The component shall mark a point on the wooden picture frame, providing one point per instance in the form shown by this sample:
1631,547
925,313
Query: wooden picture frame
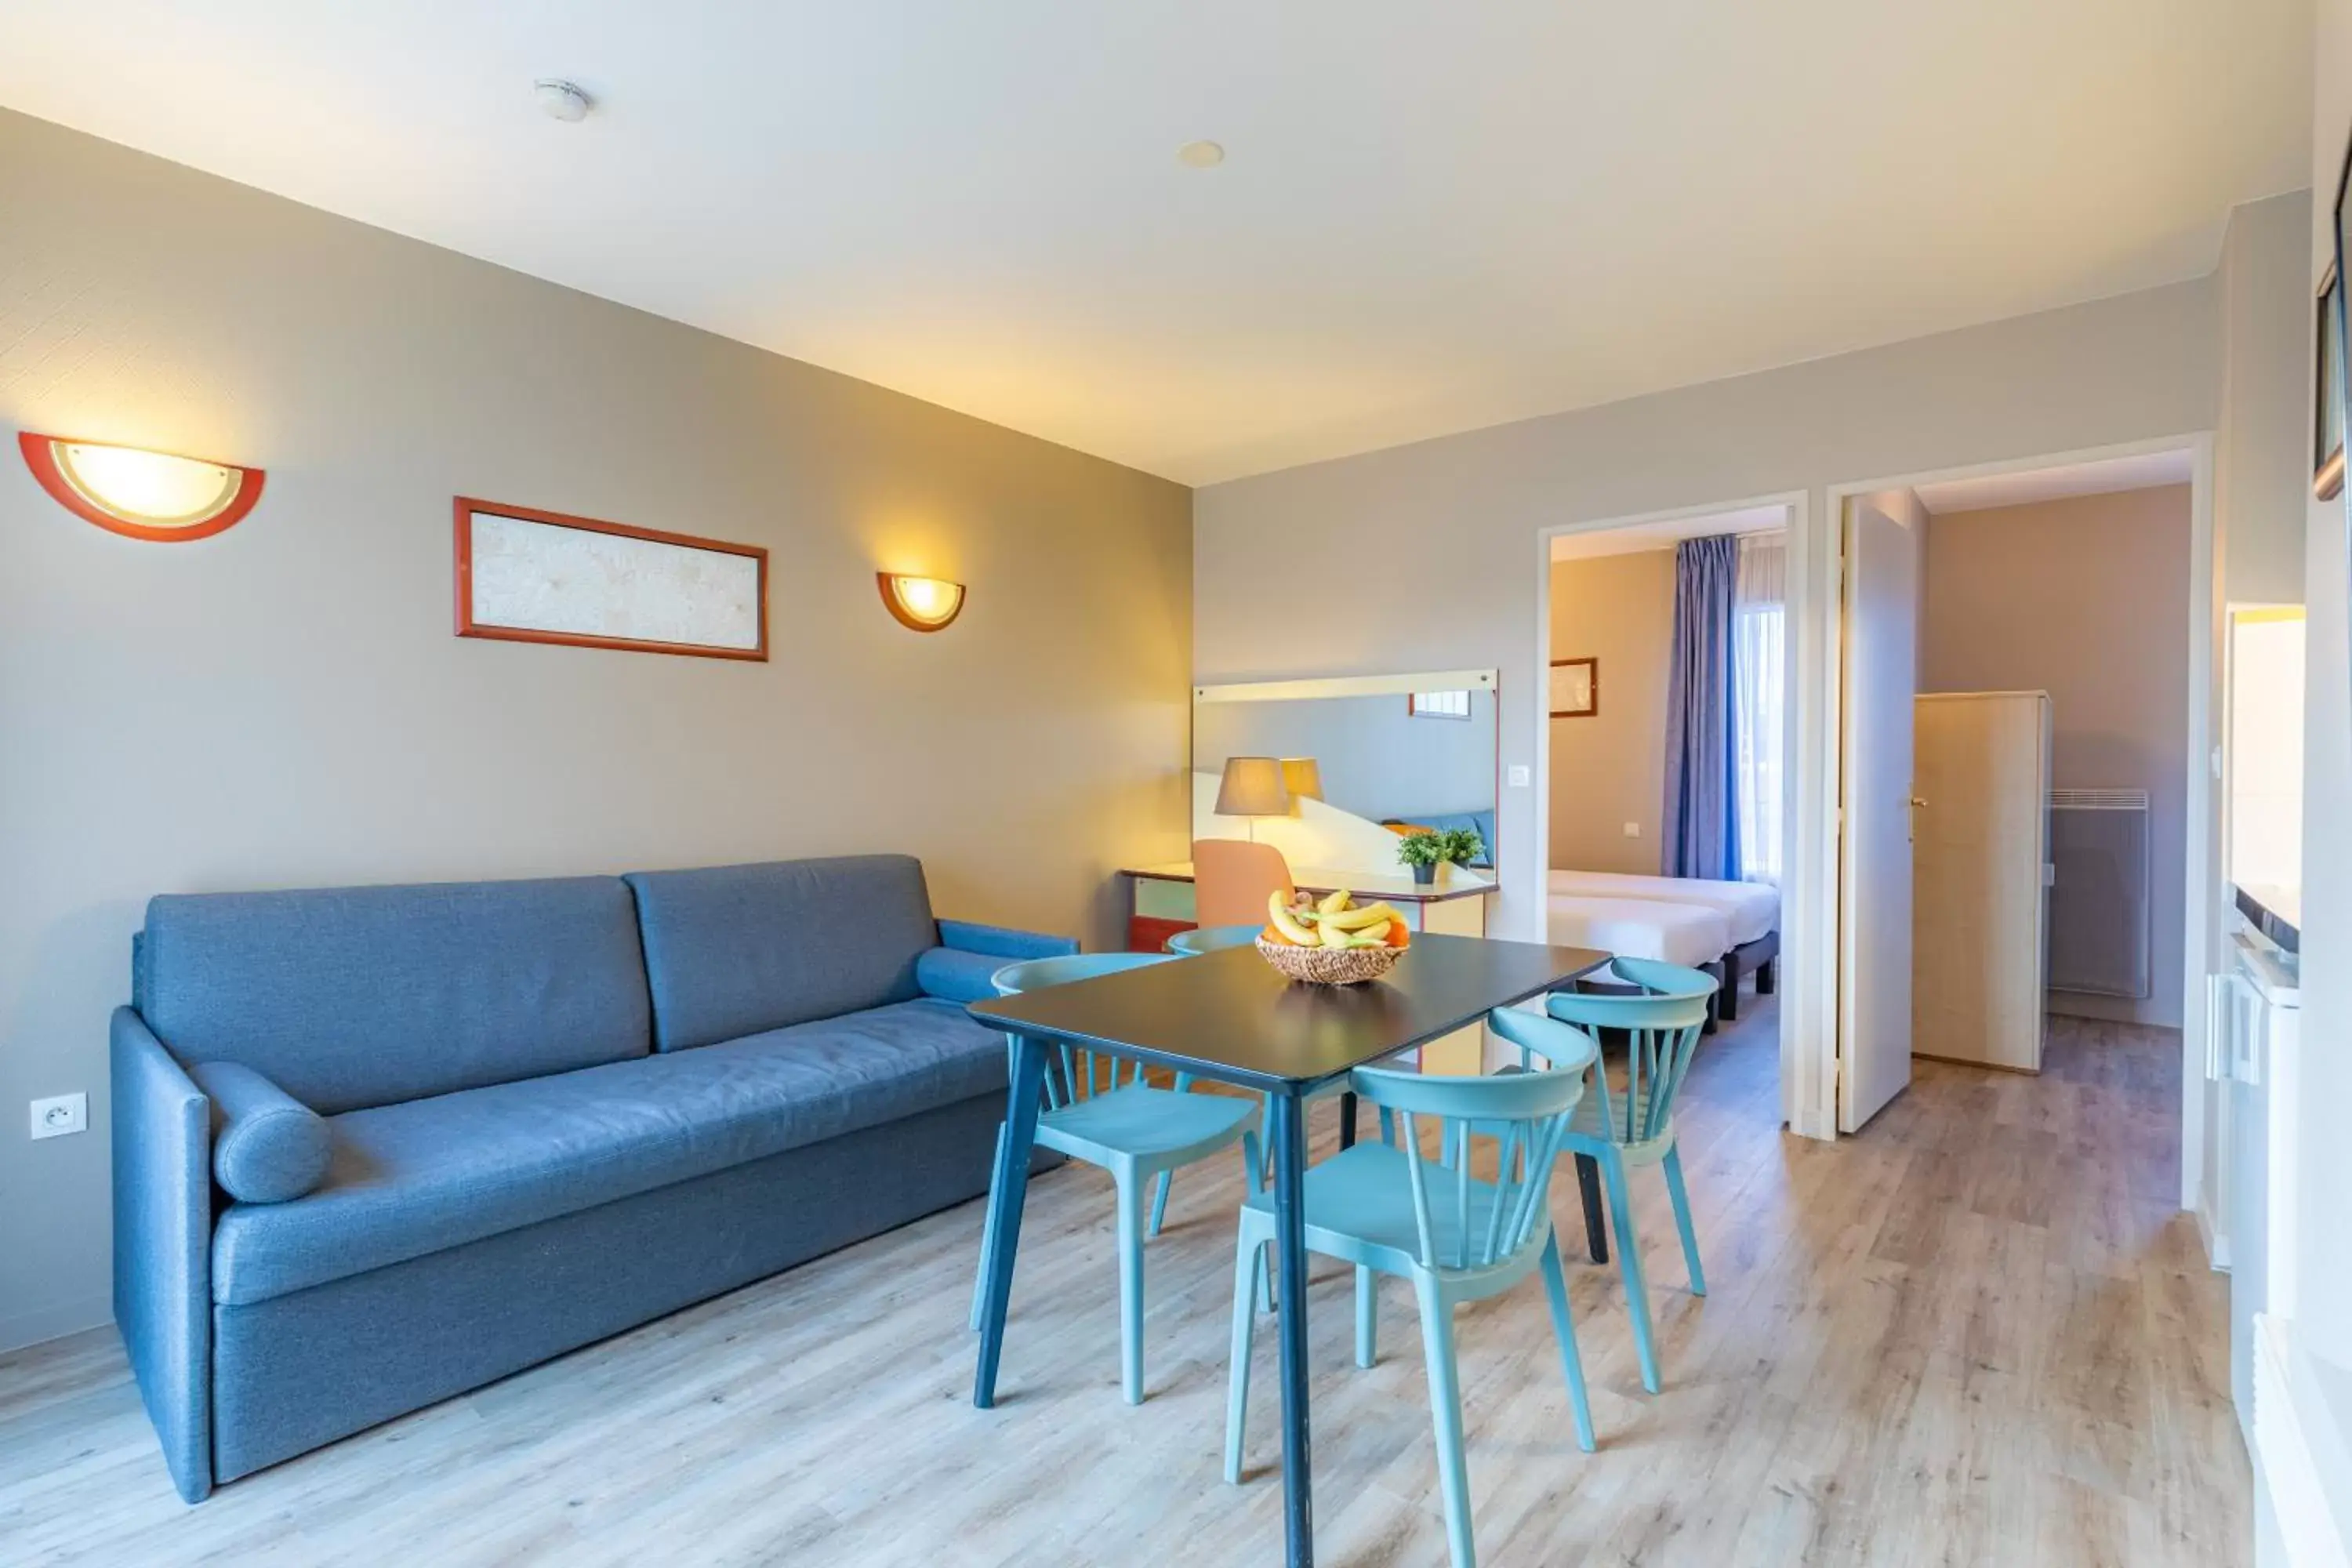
576,600
1575,688
2327,413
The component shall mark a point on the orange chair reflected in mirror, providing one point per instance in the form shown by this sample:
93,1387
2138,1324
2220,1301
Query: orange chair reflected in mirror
1231,880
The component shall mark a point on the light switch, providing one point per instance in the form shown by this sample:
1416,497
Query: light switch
1520,776
1632,830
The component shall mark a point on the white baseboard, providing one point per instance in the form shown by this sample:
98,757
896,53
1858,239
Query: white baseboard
54,1322
2306,1464
2217,1246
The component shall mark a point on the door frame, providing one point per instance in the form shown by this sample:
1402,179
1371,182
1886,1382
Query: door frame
2206,613
1808,928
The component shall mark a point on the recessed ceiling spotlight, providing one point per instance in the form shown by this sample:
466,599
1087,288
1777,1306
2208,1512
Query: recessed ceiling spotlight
560,100
1200,154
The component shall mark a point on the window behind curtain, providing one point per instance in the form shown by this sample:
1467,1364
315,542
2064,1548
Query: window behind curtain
1758,620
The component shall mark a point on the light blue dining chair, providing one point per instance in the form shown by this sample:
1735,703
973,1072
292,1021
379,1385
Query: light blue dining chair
1123,1126
1390,1210
1193,944
1636,1126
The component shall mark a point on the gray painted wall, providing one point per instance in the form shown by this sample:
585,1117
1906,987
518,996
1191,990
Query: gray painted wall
2082,598
285,705
2262,451
2325,1263
1426,557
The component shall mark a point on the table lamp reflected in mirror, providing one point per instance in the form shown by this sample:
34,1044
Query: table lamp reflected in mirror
1302,777
1252,787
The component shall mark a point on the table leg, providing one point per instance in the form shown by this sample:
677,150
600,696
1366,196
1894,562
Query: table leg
1289,1136
1348,1118
1596,1223
1007,1195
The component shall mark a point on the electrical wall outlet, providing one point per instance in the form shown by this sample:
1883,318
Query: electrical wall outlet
1632,830
60,1114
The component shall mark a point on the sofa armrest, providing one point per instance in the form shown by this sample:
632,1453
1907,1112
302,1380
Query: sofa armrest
1000,941
162,1244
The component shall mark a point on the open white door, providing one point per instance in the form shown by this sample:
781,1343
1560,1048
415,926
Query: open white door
1881,677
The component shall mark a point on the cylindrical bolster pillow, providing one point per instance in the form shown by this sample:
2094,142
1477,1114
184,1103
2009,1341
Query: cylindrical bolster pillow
267,1146
952,974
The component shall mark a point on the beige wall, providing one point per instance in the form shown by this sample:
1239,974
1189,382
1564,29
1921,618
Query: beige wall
2082,598
1610,769
1429,557
286,705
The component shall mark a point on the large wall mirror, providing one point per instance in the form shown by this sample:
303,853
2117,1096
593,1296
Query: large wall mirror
1332,772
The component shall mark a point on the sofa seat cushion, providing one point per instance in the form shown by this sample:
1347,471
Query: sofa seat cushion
413,1179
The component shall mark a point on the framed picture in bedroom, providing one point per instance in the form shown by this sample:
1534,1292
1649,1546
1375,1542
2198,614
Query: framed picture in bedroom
2328,400
528,575
1575,688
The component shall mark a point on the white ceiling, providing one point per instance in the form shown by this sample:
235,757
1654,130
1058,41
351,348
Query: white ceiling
1636,537
1433,217
2107,475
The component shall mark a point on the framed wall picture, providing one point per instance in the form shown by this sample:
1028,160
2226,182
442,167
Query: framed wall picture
2328,401
528,575
1575,688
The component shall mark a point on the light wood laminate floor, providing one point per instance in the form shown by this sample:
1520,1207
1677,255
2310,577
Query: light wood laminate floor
1977,1333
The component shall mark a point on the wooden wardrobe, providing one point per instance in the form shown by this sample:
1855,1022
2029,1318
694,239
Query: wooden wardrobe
1980,853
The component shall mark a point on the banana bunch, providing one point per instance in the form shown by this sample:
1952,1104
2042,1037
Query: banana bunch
1336,921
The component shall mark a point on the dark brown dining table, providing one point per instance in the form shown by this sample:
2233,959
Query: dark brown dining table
1231,1017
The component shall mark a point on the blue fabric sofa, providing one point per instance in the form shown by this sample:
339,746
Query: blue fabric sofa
376,1146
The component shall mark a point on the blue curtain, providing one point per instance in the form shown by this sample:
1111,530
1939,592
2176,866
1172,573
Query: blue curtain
1702,812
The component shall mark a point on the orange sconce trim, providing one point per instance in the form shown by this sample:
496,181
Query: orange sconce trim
922,603
140,494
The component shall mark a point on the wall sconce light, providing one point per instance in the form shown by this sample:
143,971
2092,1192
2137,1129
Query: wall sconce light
140,494
922,603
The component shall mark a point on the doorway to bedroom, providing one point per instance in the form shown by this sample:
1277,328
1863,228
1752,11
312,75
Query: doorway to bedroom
1664,738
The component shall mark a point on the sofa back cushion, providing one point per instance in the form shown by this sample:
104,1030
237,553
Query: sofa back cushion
351,997
733,949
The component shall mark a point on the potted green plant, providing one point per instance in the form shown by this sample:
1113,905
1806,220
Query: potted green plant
1425,852
1463,845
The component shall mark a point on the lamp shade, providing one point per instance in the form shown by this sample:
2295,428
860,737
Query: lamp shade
1252,786
140,494
1303,778
922,603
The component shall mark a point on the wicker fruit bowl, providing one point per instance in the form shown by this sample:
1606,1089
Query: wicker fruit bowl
1329,965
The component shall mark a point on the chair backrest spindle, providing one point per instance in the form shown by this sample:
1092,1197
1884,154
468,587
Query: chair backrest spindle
1068,1066
1524,1114
1661,1023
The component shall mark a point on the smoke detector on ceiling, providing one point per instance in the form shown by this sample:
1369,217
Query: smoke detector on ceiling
560,100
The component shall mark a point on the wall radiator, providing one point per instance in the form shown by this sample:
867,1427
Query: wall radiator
2099,902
